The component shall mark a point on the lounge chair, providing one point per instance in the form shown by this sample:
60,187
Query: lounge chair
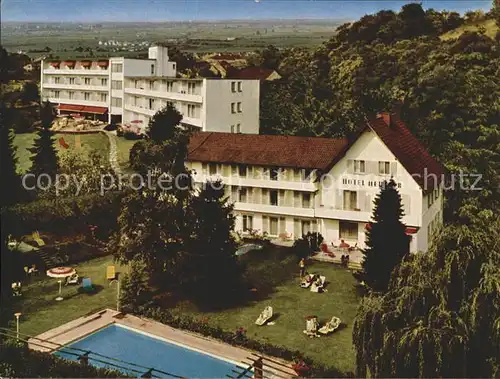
307,280
318,285
265,316
38,239
87,284
111,272
73,279
330,326
311,327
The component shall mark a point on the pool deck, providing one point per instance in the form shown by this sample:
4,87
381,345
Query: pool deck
74,330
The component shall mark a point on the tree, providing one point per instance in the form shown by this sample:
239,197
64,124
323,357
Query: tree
163,125
12,190
30,92
307,245
135,291
45,159
211,265
386,240
440,316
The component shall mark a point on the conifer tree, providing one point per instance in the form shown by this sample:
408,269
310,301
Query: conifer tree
45,159
387,242
163,125
135,291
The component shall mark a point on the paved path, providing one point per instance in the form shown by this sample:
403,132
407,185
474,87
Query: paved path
113,153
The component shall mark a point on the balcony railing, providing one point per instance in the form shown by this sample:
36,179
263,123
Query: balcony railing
164,94
76,86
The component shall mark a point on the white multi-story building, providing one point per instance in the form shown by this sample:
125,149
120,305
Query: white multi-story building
286,185
123,90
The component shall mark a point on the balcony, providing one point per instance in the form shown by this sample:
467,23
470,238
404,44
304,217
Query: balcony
141,110
53,71
342,214
274,209
91,103
165,95
76,87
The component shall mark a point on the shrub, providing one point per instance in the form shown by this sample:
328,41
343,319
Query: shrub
308,244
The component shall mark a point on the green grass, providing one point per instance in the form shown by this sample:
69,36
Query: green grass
490,27
123,151
292,304
41,312
23,142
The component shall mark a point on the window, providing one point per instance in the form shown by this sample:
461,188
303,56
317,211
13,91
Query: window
238,128
170,86
242,196
274,173
359,167
116,102
151,103
104,82
307,173
57,79
116,84
384,168
247,223
152,69
173,66
212,169
233,107
348,230
170,104
233,86
87,81
273,221
104,97
306,227
350,200
151,85
239,107
71,80
86,95
273,197
306,200
136,101
232,128
242,170
117,67
239,87
191,88
191,110
71,95
56,94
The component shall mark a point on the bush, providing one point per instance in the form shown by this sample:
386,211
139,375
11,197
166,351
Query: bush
239,338
307,245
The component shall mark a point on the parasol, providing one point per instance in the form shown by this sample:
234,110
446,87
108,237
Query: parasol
60,273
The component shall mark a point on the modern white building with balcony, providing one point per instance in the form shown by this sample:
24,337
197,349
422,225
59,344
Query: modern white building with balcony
283,185
123,90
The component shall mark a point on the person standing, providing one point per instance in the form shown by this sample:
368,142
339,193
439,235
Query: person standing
302,266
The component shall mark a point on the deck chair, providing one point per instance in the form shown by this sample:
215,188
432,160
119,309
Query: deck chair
87,284
38,239
63,143
311,327
73,279
111,272
307,280
330,326
265,316
320,287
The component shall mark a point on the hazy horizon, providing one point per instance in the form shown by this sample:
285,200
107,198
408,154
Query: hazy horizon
155,11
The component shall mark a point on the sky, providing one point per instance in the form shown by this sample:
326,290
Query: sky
184,10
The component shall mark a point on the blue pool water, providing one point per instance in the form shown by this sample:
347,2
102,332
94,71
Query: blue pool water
124,344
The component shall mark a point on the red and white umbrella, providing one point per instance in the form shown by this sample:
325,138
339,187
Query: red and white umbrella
61,272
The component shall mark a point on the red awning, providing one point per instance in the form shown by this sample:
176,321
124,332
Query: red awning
55,64
96,110
69,63
70,107
86,63
411,230
103,63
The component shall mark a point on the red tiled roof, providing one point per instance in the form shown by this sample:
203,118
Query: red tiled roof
265,150
259,73
313,152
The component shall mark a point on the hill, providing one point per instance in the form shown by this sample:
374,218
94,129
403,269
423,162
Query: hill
490,27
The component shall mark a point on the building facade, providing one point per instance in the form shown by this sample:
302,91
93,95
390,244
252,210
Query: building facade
284,185
123,90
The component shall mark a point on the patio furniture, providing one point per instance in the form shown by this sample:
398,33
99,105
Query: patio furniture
38,239
60,273
307,280
318,285
87,284
110,272
73,279
311,326
330,326
265,316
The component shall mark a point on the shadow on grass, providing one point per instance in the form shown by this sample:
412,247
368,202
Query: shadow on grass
96,288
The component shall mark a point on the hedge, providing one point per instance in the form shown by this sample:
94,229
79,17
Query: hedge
238,338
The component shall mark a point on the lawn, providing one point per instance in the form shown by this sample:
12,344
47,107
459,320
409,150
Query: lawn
292,304
123,147
40,312
23,142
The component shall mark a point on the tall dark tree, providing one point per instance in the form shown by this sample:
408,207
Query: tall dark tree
30,92
211,265
163,125
386,239
135,291
11,189
45,159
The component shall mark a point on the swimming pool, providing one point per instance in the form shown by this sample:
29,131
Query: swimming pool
134,347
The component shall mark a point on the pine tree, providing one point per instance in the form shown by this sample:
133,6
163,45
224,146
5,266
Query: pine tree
135,291
212,267
386,242
163,125
45,159
12,190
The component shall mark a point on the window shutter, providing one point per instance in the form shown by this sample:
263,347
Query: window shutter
265,224
394,168
296,199
265,196
234,193
282,228
234,170
257,172
226,170
281,200
288,198
350,166
204,169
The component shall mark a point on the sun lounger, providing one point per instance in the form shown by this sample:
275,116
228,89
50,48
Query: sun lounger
318,285
73,279
307,280
110,272
38,239
330,326
311,327
265,316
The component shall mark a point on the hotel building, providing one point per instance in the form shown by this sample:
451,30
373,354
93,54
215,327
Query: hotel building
286,185
123,90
